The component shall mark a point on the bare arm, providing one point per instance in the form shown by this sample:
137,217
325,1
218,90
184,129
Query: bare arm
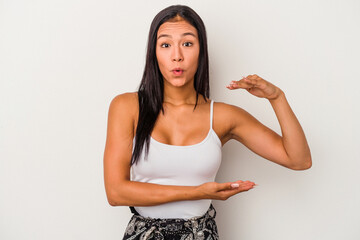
293,137
291,149
121,191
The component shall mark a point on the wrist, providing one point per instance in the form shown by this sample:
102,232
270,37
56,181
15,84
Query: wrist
196,193
278,96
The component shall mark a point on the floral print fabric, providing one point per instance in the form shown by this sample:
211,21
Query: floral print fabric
196,228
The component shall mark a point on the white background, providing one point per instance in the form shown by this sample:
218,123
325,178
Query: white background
62,61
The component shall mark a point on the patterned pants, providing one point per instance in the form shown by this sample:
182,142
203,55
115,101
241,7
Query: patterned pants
196,228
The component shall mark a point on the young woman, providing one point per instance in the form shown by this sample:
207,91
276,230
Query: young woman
164,141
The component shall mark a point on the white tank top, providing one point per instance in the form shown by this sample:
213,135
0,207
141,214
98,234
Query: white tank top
189,165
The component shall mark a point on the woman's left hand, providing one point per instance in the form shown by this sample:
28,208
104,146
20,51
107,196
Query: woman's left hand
257,86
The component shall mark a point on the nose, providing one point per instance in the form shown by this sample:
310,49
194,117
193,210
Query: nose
177,55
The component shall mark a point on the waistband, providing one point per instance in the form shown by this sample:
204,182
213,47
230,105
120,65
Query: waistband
171,226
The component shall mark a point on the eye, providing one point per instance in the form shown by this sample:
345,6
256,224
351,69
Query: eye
165,45
188,44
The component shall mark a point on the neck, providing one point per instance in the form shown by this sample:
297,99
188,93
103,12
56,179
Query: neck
180,95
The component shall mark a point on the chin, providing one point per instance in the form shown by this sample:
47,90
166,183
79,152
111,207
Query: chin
177,83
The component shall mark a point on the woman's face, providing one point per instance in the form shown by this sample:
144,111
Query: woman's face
177,52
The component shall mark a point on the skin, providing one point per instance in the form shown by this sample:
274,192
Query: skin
178,46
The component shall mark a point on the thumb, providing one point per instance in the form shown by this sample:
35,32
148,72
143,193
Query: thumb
235,184
228,185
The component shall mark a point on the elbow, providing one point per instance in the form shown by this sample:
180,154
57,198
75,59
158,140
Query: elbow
303,165
115,199
112,202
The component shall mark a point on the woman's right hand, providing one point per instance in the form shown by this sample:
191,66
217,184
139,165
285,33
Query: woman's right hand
222,191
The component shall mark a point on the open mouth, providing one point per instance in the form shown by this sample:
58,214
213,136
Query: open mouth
177,72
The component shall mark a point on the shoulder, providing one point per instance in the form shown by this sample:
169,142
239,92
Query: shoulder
228,117
124,107
227,111
127,102
128,97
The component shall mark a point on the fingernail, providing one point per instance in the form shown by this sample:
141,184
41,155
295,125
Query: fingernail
234,185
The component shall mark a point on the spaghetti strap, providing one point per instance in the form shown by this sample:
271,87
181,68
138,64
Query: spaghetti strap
211,113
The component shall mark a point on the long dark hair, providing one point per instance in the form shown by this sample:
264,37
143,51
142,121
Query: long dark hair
151,89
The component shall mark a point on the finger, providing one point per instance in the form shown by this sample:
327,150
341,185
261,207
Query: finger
224,186
246,185
253,81
243,187
253,76
247,181
240,84
228,186
257,81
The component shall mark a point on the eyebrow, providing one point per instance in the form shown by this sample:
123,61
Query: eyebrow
184,34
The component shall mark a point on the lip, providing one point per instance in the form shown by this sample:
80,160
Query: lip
177,71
